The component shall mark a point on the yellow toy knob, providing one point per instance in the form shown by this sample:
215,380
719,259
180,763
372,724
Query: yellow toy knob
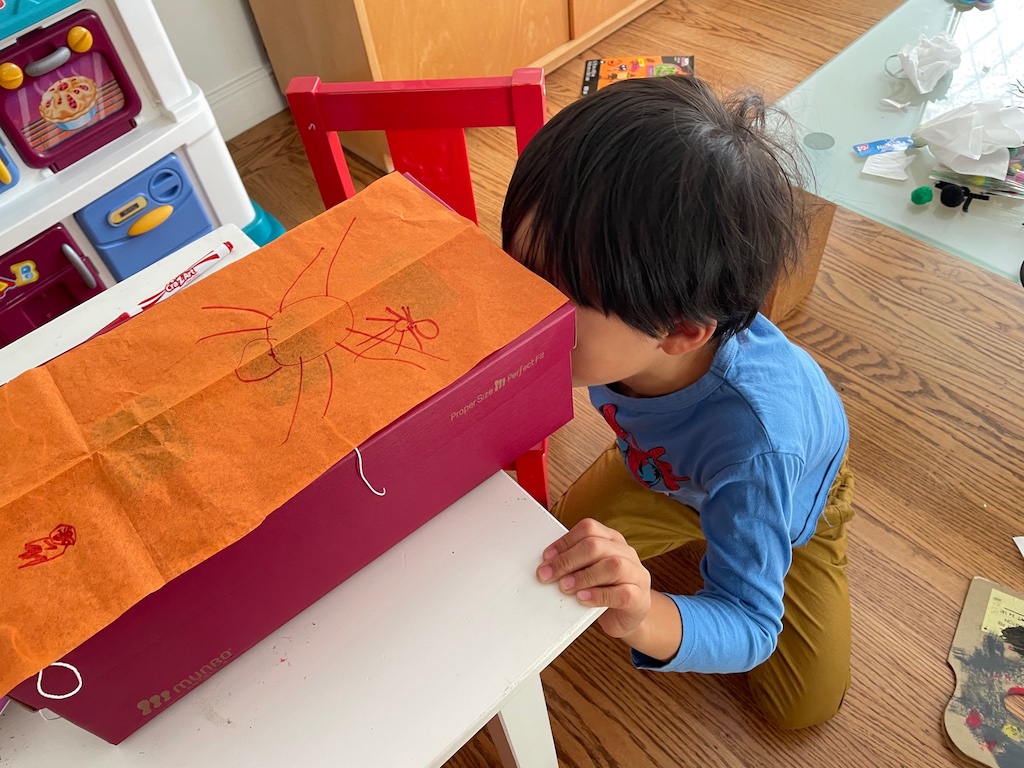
150,221
79,39
11,76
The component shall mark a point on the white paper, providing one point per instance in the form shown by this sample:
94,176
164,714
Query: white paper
1019,541
924,64
888,165
974,139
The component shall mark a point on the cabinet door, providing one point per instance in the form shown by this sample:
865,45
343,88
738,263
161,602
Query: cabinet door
587,14
314,37
463,38
324,38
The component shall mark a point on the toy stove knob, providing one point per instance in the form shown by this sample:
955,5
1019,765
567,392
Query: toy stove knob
79,39
11,76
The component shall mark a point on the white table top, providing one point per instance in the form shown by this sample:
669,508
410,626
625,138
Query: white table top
399,666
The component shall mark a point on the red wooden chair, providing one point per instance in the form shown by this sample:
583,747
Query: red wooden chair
425,122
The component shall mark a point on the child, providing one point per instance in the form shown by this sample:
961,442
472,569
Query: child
667,216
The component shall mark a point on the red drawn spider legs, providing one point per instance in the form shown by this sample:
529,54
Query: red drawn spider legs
298,399
298,394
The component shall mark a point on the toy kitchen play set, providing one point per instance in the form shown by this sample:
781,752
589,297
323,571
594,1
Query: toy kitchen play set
110,159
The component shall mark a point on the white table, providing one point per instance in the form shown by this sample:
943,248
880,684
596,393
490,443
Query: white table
399,666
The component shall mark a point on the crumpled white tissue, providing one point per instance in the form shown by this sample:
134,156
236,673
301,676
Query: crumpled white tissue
925,63
975,139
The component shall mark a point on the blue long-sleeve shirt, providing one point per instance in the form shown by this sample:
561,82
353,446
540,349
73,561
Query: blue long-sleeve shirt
753,446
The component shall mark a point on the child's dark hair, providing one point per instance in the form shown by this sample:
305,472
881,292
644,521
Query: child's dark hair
654,201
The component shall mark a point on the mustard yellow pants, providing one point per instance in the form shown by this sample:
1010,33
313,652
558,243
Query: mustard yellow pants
805,679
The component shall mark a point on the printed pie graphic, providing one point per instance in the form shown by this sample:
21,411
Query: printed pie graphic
69,102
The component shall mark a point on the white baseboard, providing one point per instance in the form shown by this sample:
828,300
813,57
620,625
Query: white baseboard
246,101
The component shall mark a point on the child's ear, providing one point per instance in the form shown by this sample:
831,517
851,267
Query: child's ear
687,338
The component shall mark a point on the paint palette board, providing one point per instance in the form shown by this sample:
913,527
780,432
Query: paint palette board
984,718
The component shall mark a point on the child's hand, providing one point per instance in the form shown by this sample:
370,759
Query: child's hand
594,563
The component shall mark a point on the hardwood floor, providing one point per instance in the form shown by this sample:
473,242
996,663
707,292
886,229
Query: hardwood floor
927,352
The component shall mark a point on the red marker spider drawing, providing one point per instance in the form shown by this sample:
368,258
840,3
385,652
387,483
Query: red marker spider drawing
294,339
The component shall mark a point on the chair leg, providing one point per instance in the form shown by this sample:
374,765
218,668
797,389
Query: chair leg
323,147
532,473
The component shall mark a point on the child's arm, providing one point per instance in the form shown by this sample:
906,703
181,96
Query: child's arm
596,564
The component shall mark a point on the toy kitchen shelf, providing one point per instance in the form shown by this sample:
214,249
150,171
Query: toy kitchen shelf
101,134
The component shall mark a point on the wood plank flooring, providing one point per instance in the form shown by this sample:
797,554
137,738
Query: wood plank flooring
927,352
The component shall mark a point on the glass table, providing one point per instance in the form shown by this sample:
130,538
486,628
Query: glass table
842,102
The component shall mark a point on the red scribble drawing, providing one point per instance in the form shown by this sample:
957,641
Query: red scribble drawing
49,547
400,325
294,340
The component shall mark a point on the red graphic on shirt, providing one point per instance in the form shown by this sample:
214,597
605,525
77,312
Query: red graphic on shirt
646,466
49,547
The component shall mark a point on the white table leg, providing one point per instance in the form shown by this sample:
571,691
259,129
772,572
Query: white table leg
521,730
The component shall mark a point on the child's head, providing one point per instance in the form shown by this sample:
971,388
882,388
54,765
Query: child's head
655,203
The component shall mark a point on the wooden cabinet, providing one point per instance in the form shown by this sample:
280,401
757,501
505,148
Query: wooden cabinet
362,40
453,38
587,15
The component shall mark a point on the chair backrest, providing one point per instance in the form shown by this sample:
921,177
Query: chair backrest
424,121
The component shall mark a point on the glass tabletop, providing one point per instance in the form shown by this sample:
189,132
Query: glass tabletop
842,101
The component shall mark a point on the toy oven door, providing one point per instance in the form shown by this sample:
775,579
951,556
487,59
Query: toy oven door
64,92
42,279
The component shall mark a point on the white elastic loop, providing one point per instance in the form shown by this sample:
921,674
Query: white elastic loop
359,458
44,694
